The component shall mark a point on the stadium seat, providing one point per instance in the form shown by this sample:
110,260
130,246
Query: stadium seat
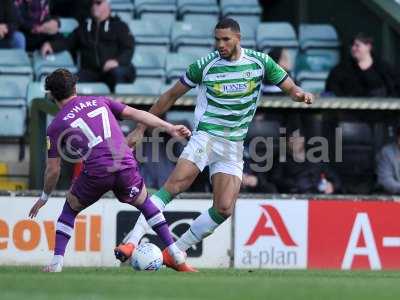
142,86
210,19
196,33
121,6
248,36
264,129
318,36
314,66
197,8
15,61
20,80
357,168
67,25
177,63
252,21
196,52
276,34
11,88
35,90
12,108
45,65
163,20
12,118
239,7
314,86
176,117
165,87
150,32
92,88
150,62
124,16
154,6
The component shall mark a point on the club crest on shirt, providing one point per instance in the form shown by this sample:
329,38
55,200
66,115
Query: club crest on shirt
247,74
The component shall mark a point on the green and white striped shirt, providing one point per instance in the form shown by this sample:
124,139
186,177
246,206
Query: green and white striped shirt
229,91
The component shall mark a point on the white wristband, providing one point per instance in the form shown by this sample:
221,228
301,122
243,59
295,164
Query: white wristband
44,197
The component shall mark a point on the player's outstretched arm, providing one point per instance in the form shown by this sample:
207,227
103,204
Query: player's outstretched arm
163,104
51,176
295,92
151,120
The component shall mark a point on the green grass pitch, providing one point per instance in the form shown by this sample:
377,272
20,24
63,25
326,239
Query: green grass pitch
124,283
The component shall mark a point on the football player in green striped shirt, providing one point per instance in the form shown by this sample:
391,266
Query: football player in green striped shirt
229,82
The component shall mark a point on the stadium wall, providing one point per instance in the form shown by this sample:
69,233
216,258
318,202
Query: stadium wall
300,233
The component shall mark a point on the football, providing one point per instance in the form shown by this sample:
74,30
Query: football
147,257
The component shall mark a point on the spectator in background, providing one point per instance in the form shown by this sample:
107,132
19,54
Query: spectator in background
282,57
298,175
388,166
36,22
363,75
257,182
9,37
105,45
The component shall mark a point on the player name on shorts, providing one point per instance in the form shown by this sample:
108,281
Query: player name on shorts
77,108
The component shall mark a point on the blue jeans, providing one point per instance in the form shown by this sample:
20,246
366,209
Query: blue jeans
16,40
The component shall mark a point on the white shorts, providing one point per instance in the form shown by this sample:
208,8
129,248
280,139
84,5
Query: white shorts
221,155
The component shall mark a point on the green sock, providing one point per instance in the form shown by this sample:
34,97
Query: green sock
163,195
201,227
216,216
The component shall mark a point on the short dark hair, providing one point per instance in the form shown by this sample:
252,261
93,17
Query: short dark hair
225,23
365,38
61,84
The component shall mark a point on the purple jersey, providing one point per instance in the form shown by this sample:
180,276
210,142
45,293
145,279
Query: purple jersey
87,128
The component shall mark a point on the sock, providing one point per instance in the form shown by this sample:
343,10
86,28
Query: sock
162,195
156,220
201,227
64,229
160,199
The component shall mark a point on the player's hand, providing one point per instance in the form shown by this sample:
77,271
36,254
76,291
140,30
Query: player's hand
179,131
36,207
135,137
307,98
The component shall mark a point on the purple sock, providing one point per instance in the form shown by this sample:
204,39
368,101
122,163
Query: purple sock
65,227
156,220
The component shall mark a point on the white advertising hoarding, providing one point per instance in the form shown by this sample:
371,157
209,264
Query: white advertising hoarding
31,242
271,234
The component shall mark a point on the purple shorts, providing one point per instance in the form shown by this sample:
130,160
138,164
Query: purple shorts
126,185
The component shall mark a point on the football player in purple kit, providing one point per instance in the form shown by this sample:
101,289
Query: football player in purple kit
88,126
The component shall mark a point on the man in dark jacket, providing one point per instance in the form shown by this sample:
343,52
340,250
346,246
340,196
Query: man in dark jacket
105,45
9,37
